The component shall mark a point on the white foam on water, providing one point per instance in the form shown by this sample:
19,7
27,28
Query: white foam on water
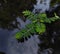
27,47
41,7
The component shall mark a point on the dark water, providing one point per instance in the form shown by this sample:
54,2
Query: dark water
9,44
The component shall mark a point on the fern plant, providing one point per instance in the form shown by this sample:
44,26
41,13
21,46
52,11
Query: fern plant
37,24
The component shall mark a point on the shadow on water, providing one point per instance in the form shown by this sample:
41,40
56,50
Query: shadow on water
11,18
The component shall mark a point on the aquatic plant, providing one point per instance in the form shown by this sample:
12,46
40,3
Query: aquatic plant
37,24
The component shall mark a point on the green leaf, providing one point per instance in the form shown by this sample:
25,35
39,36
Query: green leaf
56,15
37,24
47,20
42,15
40,28
41,20
27,13
18,35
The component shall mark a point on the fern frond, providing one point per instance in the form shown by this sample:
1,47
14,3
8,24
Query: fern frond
27,13
37,24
